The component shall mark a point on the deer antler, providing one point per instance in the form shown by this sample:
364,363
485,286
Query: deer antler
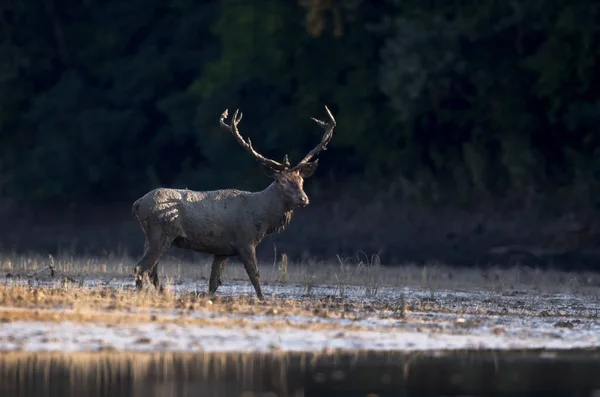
324,140
235,120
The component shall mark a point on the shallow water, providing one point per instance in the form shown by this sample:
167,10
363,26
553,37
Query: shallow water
449,320
475,373
448,343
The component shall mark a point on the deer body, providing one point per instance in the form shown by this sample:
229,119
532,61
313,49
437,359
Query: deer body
219,222
225,222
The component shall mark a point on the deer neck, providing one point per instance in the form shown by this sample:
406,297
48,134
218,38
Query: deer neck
276,214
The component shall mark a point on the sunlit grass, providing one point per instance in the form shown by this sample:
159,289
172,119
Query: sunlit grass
358,288
355,273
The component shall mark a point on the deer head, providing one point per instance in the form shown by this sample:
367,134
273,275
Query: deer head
288,180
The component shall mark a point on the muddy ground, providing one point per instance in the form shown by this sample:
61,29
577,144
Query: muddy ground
75,326
362,308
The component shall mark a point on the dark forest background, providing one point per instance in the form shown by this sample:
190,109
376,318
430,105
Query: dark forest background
462,126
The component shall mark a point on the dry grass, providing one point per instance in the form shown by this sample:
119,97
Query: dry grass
116,318
111,305
107,303
358,273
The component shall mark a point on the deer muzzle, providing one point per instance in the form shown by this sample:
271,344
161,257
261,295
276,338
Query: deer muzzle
303,201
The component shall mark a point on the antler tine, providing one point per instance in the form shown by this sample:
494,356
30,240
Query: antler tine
235,120
324,140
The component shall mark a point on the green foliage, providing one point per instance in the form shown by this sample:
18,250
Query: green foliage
504,82
105,100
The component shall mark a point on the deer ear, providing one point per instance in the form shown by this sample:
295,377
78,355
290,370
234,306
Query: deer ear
271,173
308,169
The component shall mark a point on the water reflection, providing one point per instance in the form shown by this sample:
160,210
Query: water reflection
474,373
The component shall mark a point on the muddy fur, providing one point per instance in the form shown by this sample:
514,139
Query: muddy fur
225,222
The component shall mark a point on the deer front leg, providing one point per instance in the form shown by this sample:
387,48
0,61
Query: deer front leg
248,257
153,276
216,272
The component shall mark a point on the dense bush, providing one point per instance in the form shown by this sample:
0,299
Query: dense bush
103,100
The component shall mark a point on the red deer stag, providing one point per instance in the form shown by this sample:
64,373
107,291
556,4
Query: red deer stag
225,222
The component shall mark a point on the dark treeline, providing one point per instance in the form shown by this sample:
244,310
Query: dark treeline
103,100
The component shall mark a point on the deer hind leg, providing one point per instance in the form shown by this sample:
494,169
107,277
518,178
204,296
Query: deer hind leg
248,257
216,273
156,245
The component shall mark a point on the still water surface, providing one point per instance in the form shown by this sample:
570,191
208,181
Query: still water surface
338,374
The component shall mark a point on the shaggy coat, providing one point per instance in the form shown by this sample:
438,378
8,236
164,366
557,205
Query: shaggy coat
225,222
